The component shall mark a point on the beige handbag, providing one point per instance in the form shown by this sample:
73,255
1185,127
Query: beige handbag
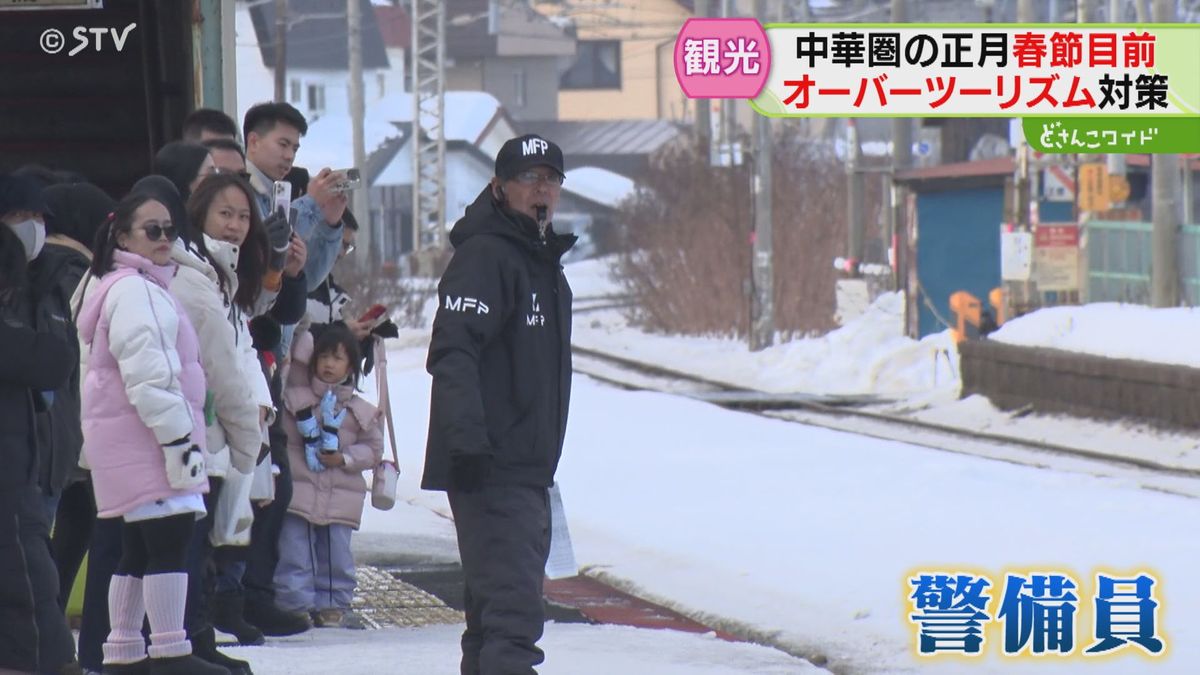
387,472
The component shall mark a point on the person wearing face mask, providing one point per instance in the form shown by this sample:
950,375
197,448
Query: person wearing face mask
500,357
222,210
36,305
76,211
33,632
239,404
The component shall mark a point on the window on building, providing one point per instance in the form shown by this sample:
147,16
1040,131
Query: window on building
295,92
316,98
597,66
519,88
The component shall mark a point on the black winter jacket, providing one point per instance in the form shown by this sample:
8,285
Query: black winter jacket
54,275
32,362
500,354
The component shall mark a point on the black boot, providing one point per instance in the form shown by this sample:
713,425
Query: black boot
227,617
185,665
204,645
274,621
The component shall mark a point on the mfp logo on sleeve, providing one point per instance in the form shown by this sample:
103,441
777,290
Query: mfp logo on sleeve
1057,72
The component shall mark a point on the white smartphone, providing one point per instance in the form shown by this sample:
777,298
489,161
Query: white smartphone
281,192
351,179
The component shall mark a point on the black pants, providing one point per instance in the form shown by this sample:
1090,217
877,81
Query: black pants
72,532
103,555
18,629
262,556
503,540
56,645
155,546
199,563
105,558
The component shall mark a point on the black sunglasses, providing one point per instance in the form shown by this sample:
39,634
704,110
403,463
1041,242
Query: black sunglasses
156,232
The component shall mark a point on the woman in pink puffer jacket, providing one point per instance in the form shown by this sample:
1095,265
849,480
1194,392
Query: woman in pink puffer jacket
143,431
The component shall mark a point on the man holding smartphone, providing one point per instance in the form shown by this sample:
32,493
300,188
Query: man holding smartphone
273,132
500,356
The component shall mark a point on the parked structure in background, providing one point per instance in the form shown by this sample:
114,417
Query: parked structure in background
317,56
622,67
511,52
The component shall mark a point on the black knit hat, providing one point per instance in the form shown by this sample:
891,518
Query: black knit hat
180,162
525,152
77,210
20,193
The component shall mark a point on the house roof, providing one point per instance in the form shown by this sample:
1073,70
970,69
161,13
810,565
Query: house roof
605,137
601,186
317,35
469,116
394,26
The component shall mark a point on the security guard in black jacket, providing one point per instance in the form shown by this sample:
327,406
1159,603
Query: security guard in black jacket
500,357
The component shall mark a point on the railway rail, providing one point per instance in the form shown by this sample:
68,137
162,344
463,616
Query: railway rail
850,414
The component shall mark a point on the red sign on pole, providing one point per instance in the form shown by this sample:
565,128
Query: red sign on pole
1056,235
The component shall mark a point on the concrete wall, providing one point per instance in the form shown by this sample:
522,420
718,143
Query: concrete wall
1081,384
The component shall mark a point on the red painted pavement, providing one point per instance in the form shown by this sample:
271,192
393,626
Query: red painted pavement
602,603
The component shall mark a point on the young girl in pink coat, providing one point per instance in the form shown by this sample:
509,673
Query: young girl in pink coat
333,437
143,433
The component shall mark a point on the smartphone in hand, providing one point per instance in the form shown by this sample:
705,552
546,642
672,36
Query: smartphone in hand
348,179
281,196
373,314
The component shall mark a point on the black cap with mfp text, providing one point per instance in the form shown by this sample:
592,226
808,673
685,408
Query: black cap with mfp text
525,152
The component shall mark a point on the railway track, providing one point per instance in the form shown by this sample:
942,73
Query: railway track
847,413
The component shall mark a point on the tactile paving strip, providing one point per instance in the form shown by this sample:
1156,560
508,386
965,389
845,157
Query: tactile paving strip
383,600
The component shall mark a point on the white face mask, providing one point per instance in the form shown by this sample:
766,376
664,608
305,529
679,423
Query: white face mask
32,234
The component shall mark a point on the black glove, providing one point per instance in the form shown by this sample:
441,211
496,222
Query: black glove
469,472
386,329
265,333
279,235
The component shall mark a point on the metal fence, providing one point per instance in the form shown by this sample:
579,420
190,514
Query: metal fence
1118,262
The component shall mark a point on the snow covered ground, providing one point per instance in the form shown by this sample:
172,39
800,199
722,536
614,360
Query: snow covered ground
571,649
870,355
801,536
805,536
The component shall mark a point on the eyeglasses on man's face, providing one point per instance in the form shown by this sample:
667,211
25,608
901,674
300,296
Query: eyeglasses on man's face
530,177
156,232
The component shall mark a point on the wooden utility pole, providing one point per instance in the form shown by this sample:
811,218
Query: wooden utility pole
762,324
281,11
360,204
854,195
1164,261
902,139
1083,11
703,105
1026,12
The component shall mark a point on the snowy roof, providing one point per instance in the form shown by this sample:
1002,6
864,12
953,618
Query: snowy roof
329,138
599,185
468,113
1103,329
